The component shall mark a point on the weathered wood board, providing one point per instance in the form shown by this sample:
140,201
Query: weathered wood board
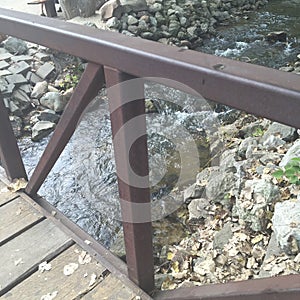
21,255
15,216
54,281
111,288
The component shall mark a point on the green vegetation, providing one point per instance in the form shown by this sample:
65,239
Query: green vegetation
291,172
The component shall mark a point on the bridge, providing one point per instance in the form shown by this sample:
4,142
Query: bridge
35,235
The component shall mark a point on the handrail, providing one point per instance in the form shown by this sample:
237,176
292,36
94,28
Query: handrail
232,83
264,92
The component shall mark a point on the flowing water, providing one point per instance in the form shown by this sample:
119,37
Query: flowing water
83,182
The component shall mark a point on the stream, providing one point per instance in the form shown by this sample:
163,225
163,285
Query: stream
82,183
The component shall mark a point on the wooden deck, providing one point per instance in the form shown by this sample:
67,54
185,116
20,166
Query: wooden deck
40,260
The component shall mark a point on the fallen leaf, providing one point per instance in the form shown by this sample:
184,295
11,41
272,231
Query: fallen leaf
44,266
70,268
49,296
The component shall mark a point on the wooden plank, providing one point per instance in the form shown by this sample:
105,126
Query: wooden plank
111,288
20,256
5,194
16,216
54,280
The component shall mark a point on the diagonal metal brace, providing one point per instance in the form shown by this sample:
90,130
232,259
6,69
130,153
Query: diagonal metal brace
91,82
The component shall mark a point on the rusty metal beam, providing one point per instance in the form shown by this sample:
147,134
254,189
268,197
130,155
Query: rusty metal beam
264,92
91,82
275,288
135,198
9,152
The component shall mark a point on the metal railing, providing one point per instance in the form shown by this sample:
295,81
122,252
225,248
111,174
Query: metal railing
114,58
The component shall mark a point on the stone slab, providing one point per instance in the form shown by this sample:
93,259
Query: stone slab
4,73
5,56
20,68
33,78
45,70
4,64
26,58
16,79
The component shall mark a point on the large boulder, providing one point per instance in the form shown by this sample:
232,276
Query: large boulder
74,8
286,225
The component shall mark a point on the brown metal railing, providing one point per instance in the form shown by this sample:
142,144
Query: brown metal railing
114,58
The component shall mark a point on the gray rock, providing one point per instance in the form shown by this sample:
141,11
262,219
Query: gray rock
4,73
74,8
286,224
132,20
198,210
155,7
287,69
293,152
220,187
14,109
48,115
33,78
22,99
272,142
16,79
113,23
43,57
25,88
39,89
19,68
134,5
222,237
5,56
285,132
45,70
192,192
174,27
4,65
253,201
41,129
15,46
27,58
54,101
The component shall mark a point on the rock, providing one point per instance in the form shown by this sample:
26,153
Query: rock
16,79
134,5
22,99
74,8
220,187
132,20
273,142
111,8
251,205
204,266
286,224
113,23
192,192
276,36
222,237
33,78
4,65
45,70
54,101
285,132
198,210
41,129
19,68
39,89
6,56
155,7
68,94
48,115
15,46
293,152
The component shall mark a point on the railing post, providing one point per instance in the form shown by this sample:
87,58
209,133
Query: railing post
10,156
132,156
